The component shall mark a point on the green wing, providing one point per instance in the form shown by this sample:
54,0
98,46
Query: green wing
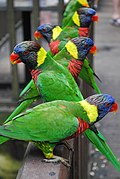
87,74
55,85
29,91
28,96
68,33
42,123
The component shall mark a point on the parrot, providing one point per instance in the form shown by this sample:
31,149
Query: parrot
92,133
30,92
49,123
71,7
86,72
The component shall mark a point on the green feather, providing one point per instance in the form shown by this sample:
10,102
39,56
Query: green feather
87,74
33,125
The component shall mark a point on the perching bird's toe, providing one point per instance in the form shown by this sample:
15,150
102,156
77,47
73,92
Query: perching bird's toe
57,159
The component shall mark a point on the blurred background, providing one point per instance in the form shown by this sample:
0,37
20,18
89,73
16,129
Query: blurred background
12,80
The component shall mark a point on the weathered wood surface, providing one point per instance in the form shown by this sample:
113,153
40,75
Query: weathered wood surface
34,168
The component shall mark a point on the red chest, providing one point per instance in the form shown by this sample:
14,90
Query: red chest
83,32
35,74
83,125
54,47
75,67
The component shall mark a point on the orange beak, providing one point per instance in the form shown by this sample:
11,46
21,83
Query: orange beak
85,4
93,50
114,108
14,58
37,35
95,18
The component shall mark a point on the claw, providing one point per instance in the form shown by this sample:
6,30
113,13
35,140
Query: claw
57,159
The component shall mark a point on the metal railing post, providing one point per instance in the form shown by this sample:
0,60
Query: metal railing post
35,15
60,11
12,39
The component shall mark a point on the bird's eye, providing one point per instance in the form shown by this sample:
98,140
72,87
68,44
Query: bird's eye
26,52
44,29
85,45
107,104
82,42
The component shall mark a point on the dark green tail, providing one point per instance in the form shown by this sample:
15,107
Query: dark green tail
103,147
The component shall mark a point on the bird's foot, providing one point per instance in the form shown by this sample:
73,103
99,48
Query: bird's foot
57,159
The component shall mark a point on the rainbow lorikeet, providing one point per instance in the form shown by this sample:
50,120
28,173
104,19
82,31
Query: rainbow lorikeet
30,92
71,7
84,71
50,123
22,52
78,26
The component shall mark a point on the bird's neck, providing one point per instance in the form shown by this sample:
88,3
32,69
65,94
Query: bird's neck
83,31
56,32
72,49
35,73
83,125
91,110
76,19
41,56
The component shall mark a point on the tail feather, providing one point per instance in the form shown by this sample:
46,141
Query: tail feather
103,147
23,106
87,75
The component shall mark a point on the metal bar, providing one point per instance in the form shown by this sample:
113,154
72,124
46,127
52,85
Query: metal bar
28,8
60,11
35,15
26,20
12,34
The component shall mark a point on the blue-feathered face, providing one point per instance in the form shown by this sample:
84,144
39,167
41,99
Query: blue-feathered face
87,15
84,46
104,102
25,52
45,31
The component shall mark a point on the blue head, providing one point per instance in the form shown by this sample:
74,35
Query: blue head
87,16
25,52
84,46
44,31
105,103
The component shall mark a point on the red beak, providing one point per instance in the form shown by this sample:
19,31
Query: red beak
37,35
93,50
114,107
95,18
14,58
